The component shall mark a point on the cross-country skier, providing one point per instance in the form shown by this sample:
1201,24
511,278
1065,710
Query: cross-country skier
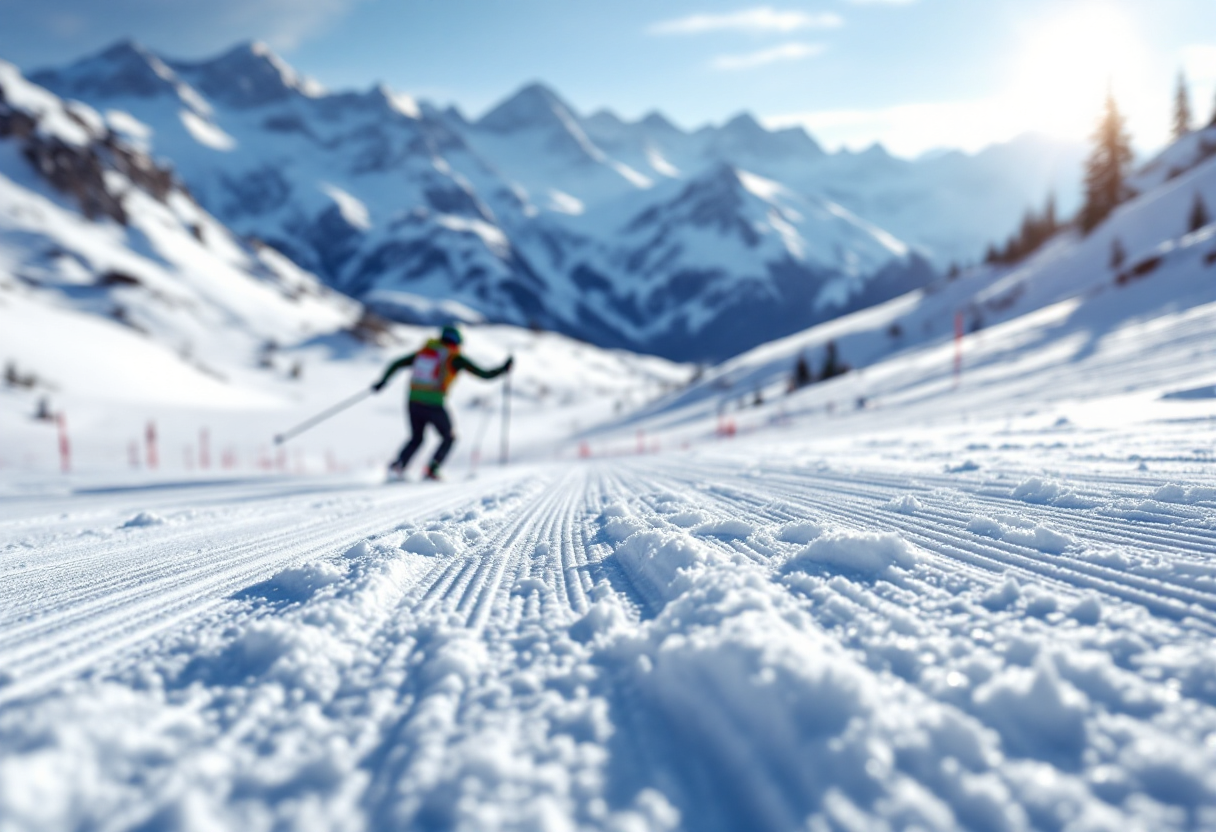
434,367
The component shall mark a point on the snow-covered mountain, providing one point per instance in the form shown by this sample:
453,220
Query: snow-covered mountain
117,284
124,303
535,214
1070,322
888,601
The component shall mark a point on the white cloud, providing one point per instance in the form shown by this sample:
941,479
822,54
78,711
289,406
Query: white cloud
759,19
772,55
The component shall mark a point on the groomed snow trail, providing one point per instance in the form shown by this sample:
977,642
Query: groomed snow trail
713,641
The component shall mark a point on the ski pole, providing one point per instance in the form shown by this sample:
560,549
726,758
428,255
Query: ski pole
475,456
321,417
506,419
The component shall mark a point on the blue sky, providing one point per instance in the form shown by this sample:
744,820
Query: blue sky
913,74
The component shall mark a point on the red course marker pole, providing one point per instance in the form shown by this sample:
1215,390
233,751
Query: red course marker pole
958,348
65,447
150,439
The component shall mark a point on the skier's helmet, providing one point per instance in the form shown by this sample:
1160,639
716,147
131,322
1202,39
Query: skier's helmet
451,335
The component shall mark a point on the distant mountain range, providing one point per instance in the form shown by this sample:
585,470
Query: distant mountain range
692,245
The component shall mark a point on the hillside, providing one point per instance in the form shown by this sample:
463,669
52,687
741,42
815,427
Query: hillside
123,303
1062,309
886,601
531,214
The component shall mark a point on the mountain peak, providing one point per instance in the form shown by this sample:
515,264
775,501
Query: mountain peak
533,105
658,123
744,122
248,75
743,134
125,68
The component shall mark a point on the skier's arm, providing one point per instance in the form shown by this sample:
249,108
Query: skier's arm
462,363
403,361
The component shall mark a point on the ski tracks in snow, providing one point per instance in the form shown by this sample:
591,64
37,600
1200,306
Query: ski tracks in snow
701,643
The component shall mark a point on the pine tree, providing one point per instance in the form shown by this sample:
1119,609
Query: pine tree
1199,214
1107,167
802,374
831,362
1182,109
1117,254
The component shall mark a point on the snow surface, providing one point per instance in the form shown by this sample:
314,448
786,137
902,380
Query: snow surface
989,608
901,599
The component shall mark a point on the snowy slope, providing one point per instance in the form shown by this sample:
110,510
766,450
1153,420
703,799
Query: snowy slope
987,606
156,313
426,215
161,280
1069,293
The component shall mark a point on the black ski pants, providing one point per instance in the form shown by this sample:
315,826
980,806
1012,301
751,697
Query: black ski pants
422,415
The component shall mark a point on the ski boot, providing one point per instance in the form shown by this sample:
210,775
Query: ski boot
432,473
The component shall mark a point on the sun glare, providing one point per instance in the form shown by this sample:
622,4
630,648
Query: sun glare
1067,65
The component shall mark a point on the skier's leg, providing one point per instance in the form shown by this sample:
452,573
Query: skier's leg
443,423
418,420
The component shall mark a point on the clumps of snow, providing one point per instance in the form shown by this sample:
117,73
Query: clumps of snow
907,504
454,658
1040,603
687,519
1041,538
963,467
362,549
144,518
1043,491
1004,596
617,524
295,655
799,531
661,559
730,529
1088,610
1173,493
985,526
529,585
605,618
1037,713
1170,771
299,583
868,553
1022,533
429,543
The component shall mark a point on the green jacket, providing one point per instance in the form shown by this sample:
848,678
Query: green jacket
441,362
